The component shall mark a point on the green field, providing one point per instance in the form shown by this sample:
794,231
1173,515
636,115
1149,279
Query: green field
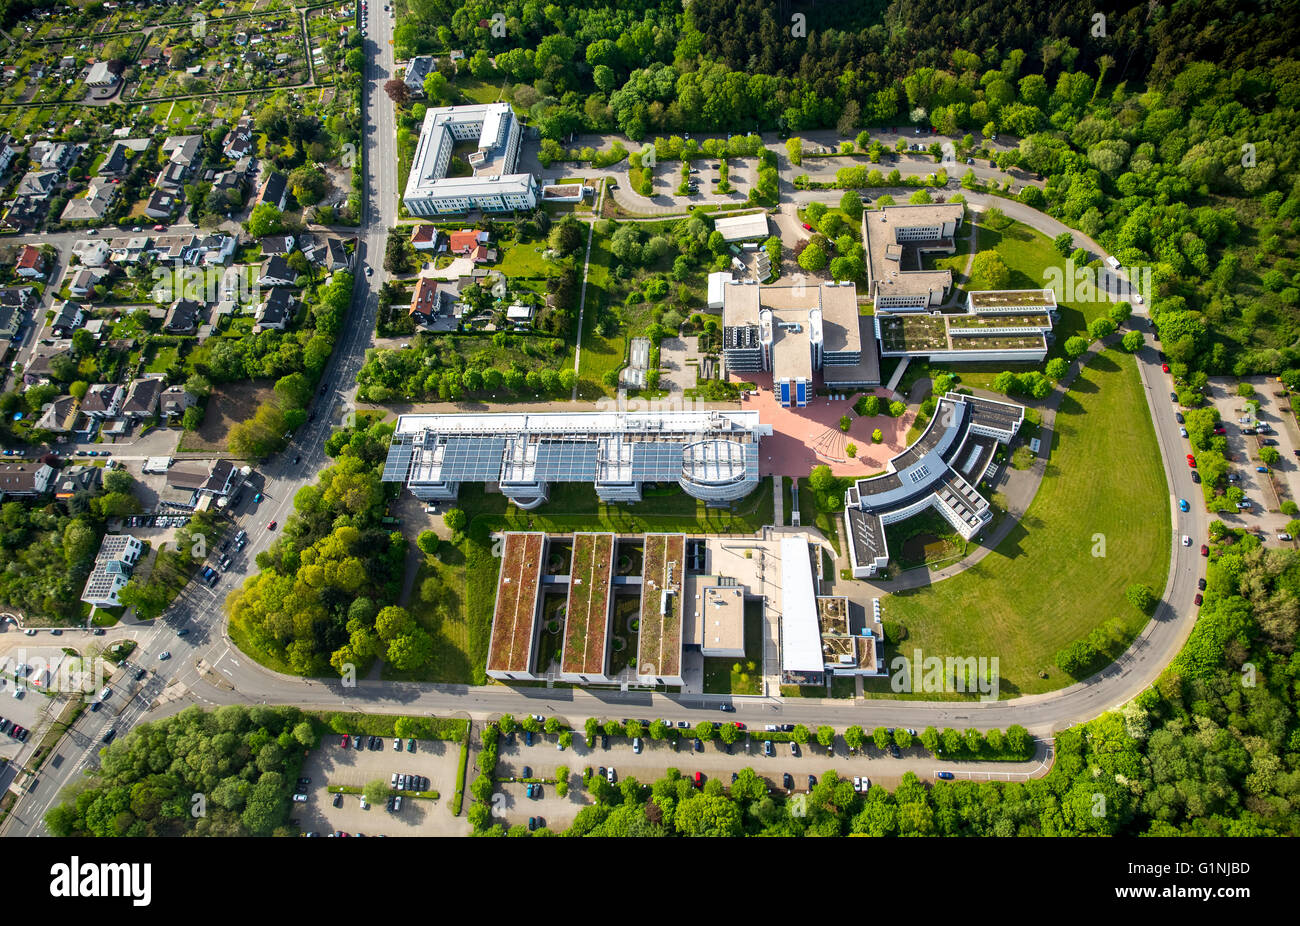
1043,588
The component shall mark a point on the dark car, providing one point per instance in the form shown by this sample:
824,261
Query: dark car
787,781
182,632
338,799
787,728
95,705
1196,477
895,751
812,782
1200,583
528,737
527,772
304,782
734,776
794,750
1173,397
698,744
1197,600
297,458
946,776
532,824
727,708
108,737
139,674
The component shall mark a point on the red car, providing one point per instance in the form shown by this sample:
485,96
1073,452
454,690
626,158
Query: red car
699,780
1191,461
271,526
160,228
1198,599
739,725
1220,429
1164,368
345,742
1205,551
807,226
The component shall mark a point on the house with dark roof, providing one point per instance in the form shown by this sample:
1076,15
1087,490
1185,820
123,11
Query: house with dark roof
160,205
61,416
276,272
337,255
94,206
142,398
183,317
239,140
36,184
277,244
68,319
24,480
274,190
38,370
18,297
84,282
117,162
276,310
11,322
103,400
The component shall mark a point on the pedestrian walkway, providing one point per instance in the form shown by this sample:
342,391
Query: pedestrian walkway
898,377
778,501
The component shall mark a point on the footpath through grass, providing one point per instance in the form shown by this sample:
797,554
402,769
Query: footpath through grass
1043,587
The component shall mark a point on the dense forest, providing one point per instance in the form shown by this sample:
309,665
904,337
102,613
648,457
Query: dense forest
1166,133
227,772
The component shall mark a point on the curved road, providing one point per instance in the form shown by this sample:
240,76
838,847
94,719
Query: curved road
206,669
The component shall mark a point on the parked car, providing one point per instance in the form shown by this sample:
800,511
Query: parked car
528,737
1178,416
1200,583
1197,600
806,226
1205,551
787,781
610,775
946,776
698,744
795,751
767,748
727,708
410,745
895,751
698,780
347,741
636,745
812,782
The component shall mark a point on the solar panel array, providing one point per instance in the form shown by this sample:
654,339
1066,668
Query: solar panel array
653,461
566,460
398,463
472,459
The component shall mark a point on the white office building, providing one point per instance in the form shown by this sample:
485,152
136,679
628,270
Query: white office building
490,137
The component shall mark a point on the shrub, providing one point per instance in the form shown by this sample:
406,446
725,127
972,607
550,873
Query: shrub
851,449
877,435
845,423
897,409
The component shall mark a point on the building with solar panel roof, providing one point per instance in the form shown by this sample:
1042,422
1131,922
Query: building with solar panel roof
712,455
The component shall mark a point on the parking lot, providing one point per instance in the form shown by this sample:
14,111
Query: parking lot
511,805
1243,450
333,765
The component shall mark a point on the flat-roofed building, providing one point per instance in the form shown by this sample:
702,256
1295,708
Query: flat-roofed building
795,332
721,621
659,649
801,648
941,470
589,611
711,454
117,557
515,625
494,186
896,238
748,227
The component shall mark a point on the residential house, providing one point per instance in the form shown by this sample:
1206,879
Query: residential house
94,206
183,248
7,152
239,140
30,263
228,181
276,310
117,163
472,244
175,400
11,323
118,554
217,249
24,480
103,400
36,184
37,371
142,398
277,244
17,297
54,156
419,68
183,149
132,251
173,177
160,205
67,319
81,479
84,282
59,416
425,238
274,190
519,314
24,213
183,317
276,272
92,252
191,481
337,255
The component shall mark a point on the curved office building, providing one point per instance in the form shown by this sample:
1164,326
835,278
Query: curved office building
939,471
712,455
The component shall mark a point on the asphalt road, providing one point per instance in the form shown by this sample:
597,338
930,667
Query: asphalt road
206,669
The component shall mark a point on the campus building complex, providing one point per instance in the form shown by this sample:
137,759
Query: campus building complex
794,332
896,238
1007,326
712,455
493,186
939,471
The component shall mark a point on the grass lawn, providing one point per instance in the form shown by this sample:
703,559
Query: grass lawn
1041,588
163,359
446,624
720,676
811,514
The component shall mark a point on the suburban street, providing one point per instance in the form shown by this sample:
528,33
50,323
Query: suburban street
206,669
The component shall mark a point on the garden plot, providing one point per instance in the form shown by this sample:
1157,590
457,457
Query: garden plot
229,56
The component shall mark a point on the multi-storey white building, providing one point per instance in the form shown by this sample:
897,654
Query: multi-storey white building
493,187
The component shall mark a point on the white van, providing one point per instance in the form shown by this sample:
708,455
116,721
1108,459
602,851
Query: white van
1112,263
